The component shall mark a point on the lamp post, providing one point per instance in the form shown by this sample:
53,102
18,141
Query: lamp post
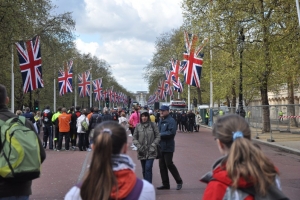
241,40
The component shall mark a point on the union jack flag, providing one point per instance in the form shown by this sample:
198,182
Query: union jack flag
65,79
84,83
161,90
175,68
104,94
98,89
168,82
29,54
111,94
192,64
178,86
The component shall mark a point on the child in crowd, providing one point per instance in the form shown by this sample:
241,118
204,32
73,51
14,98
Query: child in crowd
244,172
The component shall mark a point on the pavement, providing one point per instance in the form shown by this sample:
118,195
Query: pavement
194,155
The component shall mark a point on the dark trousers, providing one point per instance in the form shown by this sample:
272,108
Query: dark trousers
197,127
81,141
165,164
48,133
147,169
86,140
191,126
56,138
73,136
178,125
67,140
183,126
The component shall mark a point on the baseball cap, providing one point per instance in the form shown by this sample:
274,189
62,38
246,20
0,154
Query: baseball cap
164,108
150,112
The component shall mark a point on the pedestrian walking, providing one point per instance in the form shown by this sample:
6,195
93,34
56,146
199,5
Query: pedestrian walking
111,172
146,138
198,120
244,170
167,129
191,121
134,120
12,188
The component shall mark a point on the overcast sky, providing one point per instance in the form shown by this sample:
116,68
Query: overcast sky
122,32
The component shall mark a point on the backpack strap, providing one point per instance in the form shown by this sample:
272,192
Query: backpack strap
136,191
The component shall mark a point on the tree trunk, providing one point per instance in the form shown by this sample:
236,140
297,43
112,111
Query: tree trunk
291,102
199,96
233,104
266,109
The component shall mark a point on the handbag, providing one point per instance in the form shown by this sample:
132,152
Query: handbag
158,148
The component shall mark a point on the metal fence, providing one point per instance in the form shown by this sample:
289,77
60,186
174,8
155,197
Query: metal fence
283,119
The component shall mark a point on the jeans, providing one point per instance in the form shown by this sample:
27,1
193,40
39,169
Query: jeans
48,133
15,198
165,164
147,169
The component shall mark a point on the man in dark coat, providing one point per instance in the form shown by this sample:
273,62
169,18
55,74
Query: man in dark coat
167,129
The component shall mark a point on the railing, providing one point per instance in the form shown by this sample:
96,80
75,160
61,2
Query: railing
271,121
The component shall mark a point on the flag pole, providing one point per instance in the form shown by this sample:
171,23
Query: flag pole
12,81
91,85
211,79
189,105
75,88
297,5
54,92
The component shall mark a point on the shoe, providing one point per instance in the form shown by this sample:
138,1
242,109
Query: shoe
179,186
57,150
89,149
132,145
130,135
163,187
134,149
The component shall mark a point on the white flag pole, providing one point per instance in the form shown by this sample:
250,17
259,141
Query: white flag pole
189,101
297,5
12,81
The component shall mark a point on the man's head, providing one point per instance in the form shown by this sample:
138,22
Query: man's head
27,109
3,95
164,111
64,110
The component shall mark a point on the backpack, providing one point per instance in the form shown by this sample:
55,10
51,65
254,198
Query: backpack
84,125
20,151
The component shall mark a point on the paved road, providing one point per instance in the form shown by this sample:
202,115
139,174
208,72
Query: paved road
195,153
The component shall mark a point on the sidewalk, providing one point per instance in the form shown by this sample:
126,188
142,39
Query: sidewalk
284,141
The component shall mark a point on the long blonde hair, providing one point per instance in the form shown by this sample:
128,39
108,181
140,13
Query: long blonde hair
244,159
109,138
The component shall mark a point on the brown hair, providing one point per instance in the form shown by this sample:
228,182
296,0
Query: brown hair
109,138
244,159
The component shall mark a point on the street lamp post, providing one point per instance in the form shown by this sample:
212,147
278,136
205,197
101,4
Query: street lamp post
241,40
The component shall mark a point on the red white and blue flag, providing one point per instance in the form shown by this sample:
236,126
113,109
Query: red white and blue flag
111,94
65,77
178,86
175,68
192,64
168,82
98,89
84,83
29,54
161,90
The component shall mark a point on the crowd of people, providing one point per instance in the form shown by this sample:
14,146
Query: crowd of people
243,171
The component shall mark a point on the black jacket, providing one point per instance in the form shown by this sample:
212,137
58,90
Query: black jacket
96,118
20,188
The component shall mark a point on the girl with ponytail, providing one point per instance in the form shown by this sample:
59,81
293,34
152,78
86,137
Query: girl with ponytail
244,172
111,172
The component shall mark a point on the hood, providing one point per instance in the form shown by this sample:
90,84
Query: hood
144,112
126,180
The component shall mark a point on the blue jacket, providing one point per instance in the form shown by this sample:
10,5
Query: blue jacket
167,128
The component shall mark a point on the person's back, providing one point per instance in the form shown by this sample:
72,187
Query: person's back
10,188
110,168
243,170
28,115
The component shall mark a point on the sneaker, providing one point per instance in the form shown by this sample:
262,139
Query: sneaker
130,135
89,149
132,145
57,150
134,149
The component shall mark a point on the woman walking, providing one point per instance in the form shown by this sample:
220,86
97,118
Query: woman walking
198,120
146,137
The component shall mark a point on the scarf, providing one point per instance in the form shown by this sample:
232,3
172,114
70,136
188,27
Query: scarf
122,161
